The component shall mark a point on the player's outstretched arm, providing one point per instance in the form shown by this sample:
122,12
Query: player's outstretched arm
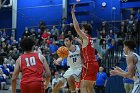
57,62
15,74
130,66
48,72
76,24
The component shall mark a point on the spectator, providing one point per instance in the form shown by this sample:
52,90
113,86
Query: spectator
26,33
10,61
101,81
55,79
104,34
33,34
45,35
131,22
53,48
104,26
42,25
37,49
61,38
98,57
54,33
104,48
64,29
15,44
6,70
71,28
4,34
39,33
2,79
111,35
15,54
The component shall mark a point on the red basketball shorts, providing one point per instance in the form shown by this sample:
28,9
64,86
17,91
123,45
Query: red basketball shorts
89,73
32,87
77,84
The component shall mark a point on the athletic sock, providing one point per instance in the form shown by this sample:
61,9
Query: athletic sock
73,91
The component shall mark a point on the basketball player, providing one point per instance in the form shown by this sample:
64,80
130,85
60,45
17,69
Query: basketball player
75,66
32,65
90,68
133,65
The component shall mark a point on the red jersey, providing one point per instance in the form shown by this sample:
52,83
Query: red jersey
45,35
88,52
32,68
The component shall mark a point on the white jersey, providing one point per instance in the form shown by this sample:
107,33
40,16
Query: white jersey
137,69
74,58
136,88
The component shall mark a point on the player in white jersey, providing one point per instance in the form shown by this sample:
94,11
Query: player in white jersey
75,66
133,65
136,88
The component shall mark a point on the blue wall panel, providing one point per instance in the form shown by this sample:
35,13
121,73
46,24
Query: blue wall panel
30,12
100,13
97,13
107,13
34,3
5,18
130,4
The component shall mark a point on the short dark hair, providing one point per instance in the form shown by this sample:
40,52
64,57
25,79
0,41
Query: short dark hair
130,44
87,27
26,44
69,37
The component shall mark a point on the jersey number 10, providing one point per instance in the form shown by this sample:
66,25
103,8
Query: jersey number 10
30,61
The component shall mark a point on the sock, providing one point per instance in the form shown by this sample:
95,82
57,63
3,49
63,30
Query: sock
73,91
79,91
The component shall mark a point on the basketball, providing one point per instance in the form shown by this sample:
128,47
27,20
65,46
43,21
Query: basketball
63,52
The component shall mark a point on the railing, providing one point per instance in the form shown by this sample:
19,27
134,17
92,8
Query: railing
114,56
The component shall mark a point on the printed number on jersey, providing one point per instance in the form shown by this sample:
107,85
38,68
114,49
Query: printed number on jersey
92,45
74,59
30,61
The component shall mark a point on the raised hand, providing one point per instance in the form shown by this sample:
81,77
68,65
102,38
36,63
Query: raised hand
73,9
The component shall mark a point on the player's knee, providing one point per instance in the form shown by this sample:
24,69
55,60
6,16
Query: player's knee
60,83
82,85
71,79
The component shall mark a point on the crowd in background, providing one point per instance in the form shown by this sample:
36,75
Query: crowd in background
49,39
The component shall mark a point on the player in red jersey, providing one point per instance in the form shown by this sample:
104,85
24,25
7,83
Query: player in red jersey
32,65
90,67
